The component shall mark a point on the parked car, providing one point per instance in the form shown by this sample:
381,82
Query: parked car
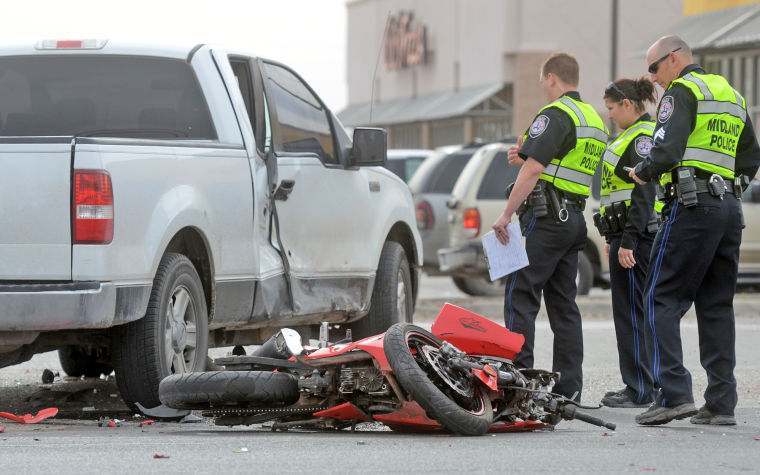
431,188
404,162
160,200
749,252
476,201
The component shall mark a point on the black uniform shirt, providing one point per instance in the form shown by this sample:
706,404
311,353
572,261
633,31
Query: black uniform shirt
642,197
673,129
551,135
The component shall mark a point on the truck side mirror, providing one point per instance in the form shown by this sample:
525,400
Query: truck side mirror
370,147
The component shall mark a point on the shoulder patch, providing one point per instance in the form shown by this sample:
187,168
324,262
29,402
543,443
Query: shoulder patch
538,126
666,109
643,146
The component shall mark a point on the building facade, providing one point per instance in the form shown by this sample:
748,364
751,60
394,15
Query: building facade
440,72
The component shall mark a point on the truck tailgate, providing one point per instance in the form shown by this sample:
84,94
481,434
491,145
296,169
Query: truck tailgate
35,208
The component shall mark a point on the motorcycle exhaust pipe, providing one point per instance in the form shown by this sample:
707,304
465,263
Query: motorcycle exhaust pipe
282,345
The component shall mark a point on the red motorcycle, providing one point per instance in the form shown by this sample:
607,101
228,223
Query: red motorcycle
459,377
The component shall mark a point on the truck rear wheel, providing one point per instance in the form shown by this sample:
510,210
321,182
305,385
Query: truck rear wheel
480,286
79,361
172,338
392,298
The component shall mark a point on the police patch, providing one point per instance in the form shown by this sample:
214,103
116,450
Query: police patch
666,109
538,126
643,146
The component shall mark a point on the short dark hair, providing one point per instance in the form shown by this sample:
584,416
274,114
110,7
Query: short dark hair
562,65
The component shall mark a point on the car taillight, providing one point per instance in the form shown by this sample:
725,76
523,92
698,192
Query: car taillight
471,222
424,214
93,207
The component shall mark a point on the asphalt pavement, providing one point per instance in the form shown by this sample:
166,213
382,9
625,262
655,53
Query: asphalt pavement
76,444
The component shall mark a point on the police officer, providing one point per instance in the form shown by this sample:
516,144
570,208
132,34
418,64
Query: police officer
704,141
628,221
559,154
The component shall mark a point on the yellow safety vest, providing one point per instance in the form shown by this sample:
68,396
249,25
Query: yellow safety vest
574,172
721,115
614,188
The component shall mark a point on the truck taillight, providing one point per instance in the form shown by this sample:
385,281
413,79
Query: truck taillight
93,207
471,222
424,215
89,43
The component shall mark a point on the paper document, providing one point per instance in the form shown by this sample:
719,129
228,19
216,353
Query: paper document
503,260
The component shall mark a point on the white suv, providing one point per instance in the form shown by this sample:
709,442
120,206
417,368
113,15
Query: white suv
476,201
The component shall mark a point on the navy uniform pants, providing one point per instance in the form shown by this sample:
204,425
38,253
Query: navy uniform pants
553,255
634,337
695,259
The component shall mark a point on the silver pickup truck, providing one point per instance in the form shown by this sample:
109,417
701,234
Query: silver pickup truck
155,201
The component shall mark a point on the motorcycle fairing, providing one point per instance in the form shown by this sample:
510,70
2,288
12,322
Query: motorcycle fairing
344,412
518,426
409,418
372,345
475,335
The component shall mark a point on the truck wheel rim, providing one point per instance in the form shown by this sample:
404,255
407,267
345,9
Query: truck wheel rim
181,334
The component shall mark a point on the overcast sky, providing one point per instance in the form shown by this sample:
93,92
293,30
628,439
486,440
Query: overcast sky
307,35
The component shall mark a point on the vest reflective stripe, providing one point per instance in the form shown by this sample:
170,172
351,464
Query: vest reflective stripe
570,104
574,172
720,120
591,133
615,196
708,156
715,107
615,189
568,174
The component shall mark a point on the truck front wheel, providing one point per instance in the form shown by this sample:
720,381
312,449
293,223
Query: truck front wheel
392,297
172,338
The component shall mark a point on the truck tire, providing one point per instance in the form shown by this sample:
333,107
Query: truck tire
430,384
172,337
392,298
585,277
224,388
80,361
480,286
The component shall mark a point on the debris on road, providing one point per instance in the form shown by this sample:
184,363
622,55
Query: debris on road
160,456
241,450
148,422
48,376
28,418
106,422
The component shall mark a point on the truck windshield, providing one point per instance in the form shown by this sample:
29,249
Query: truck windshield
101,96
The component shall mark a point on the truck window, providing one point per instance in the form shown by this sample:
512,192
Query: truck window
101,96
301,124
498,176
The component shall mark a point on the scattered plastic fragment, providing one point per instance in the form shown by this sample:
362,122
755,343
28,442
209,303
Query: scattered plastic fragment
241,450
162,412
190,418
28,418
148,422
2,428
106,422
160,456
650,469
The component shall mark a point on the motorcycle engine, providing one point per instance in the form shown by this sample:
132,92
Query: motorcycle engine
366,379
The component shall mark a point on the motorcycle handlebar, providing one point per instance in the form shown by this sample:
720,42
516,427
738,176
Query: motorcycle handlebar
570,412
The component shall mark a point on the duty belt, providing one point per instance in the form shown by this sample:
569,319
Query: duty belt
687,189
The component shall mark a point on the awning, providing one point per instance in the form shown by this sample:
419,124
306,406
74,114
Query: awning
422,108
729,29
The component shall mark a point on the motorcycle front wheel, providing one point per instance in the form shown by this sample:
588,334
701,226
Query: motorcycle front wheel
450,397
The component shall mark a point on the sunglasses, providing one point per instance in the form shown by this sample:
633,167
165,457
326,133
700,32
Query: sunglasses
613,87
656,65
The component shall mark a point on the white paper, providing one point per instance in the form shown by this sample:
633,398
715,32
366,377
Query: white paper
503,260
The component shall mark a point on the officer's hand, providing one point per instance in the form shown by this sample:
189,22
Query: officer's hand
500,228
633,176
607,251
513,156
625,257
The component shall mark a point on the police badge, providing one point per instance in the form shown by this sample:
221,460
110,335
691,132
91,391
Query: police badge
643,146
538,126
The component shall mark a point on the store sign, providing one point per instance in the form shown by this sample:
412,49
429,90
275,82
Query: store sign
404,42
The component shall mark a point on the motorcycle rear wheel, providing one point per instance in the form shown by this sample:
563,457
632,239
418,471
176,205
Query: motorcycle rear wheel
227,388
431,386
